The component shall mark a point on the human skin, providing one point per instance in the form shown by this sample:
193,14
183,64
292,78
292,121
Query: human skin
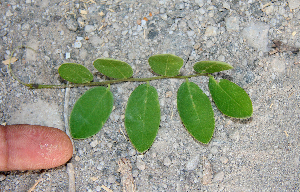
31,147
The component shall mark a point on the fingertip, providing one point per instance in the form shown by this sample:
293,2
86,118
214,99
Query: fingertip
30,147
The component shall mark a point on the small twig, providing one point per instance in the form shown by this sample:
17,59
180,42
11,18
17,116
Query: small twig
71,174
106,188
35,184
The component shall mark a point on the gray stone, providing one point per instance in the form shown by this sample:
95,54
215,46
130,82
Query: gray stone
89,28
224,159
167,161
235,136
2,177
162,10
277,64
257,36
164,16
190,33
140,164
211,31
94,143
112,179
218,177
105,54
214,150
232,24
71,24
192,164
199,2
294,4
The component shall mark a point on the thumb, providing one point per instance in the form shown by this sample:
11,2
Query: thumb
29,147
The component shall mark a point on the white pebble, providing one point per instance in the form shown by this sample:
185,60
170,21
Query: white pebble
211,31
190,33
2,177
193,163
98,188
164,16
219,177
105,54
111,179
77,44
68,55
167,161
94,143
224,160
89,28
140,164
214,150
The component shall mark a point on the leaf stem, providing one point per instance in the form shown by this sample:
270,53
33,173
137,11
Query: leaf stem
37,86
108,82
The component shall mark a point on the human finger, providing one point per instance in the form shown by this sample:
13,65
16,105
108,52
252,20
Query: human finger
29,147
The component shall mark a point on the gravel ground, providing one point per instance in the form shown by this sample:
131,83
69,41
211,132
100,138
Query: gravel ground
257,154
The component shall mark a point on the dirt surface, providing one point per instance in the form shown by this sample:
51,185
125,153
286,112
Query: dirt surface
261,39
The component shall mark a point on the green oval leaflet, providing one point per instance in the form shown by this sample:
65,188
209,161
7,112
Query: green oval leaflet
142,117
230,99
211,66
195,111
75,73
165,64
90,112
113,68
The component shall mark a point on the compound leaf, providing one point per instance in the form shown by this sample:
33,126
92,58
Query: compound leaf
142,117
166,64
195,111
230,99
211,66
75,73
90,112
113,68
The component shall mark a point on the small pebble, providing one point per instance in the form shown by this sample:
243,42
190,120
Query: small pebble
199,2
77,44
105,54
9,13
214,150
98,188
71,24
224,160
112,179
68,55
211,31
218,177
94,178
167,161
235,136
132,152
162,10
94,143
2,177
192,164
164,16
140,164
190,33
89,28
77,158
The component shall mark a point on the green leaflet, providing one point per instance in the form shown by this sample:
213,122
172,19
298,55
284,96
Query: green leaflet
195,111
211,66
166,64
75,73
230,99
90,112
113,68
142,117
